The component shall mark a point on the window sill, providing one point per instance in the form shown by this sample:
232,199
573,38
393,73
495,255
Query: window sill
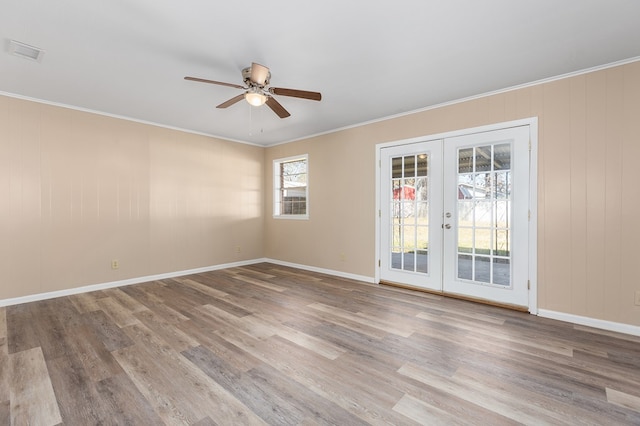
292,217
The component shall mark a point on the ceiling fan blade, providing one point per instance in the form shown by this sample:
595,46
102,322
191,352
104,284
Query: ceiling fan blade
231,101
277,108
202,80
259,74
314,96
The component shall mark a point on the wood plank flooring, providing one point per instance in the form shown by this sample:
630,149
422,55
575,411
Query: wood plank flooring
266,344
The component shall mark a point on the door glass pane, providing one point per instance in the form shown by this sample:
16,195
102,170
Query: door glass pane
409,165
484,209
422,212
410,188
465,213
465,267
482,158
465,160
396,258
396,167
422,168
501,271
465,240
409,212
502,156
396,186
483,213
482,241
409,234
482,185
421,261
409,261
501,247
422,238
502,213
395,235
396,211
482,269
502,185
421,189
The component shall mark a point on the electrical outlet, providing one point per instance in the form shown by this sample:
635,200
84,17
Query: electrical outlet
115,264
238,250
637,298
342,257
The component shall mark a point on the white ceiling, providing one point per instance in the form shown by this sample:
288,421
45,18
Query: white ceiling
369,58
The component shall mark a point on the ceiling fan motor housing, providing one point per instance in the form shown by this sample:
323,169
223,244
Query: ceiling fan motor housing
246,76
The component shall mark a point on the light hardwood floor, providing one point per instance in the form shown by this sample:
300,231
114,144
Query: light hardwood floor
266,344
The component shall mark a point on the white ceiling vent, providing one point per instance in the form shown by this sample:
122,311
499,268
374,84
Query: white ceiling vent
25,51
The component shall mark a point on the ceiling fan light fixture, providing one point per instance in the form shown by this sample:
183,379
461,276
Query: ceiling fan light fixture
255,98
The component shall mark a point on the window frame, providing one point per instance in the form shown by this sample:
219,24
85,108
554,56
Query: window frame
277,177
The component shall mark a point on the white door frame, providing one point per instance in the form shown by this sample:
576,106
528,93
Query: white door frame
532,122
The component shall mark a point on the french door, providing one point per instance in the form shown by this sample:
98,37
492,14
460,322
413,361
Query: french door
411,181
454,215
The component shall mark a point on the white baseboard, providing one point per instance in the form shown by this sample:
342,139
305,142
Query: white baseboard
130,281
591,322
323,271
138,280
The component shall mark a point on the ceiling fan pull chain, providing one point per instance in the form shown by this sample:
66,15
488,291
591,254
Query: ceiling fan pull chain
261,120
250,121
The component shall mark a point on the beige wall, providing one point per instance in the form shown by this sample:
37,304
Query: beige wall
588,189
78,190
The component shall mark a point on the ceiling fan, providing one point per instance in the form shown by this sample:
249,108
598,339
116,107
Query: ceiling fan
256,78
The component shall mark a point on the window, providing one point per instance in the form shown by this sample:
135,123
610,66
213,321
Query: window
291,179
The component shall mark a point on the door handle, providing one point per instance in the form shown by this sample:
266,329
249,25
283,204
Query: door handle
447,226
